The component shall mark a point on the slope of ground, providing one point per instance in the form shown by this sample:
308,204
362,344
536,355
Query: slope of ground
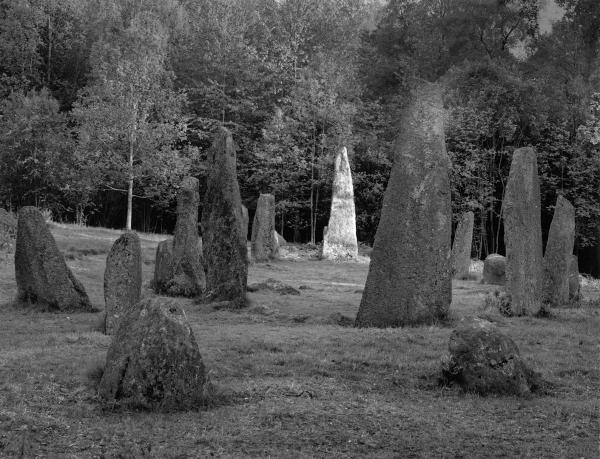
293,382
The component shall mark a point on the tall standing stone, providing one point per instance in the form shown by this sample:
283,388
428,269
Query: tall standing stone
523,234
559,251
409,280
224,245
183,274
264,243
340,240
122,280
461,248
42,275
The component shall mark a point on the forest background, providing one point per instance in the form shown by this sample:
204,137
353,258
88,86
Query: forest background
107,104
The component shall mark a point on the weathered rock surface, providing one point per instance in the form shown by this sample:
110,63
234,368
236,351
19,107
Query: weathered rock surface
153,361
523,234
409,280
481,359
122,280
224,245
494,269
340,240
42,275
275,286
574,283
461,248
178,269
559,251
264,244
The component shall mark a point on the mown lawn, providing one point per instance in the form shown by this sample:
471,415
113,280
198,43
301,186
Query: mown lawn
292,382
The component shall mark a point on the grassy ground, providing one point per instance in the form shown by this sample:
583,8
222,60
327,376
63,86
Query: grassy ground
294,383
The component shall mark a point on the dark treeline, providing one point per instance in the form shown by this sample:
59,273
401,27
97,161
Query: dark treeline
102,99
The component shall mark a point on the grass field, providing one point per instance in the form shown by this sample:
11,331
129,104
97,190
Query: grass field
293,383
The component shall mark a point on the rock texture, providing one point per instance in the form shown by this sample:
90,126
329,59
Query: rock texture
574,284
523,234
494,269
409,280
225,251
122,280
182,274
481,359
559,251
461,247
340,240
43,277
264,243
153,361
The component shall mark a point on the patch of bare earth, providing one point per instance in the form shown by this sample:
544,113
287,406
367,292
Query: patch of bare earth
293,383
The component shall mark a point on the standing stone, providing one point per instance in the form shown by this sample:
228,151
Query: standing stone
42,275
182,274
340,240
154,361
559,252
264,244
122,280
245,221
225,251
523,234
574,284
163,265
409,280
461,248
494,269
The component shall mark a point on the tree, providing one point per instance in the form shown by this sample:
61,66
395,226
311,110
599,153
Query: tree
129,117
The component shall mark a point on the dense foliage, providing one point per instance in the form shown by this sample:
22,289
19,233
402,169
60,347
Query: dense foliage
102,99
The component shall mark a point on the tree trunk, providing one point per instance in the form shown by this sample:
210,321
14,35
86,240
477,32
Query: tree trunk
49,50
130,188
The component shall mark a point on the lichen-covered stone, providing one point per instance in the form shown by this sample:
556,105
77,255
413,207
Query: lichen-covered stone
224,245
154,361
483,360
409,280
574,283
340,240
494,269
122,280
461,247
178,269
559,251
43,277
523,234
264,244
